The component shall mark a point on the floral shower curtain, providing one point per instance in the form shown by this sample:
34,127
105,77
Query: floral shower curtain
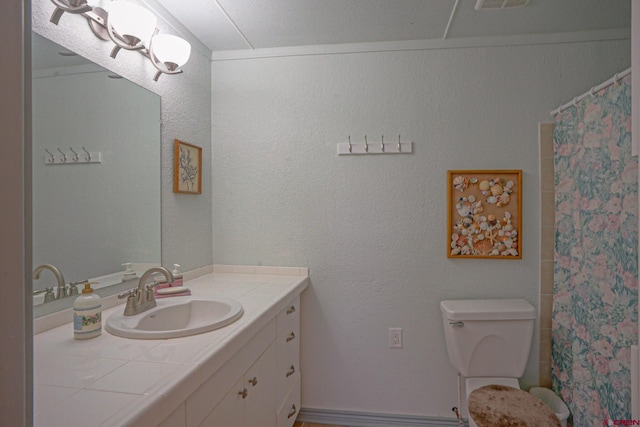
595,318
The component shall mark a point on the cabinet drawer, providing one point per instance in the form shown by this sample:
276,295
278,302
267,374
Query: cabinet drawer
288,316
288,367
289,410
288,359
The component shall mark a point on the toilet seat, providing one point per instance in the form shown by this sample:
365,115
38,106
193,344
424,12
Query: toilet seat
501,406
474,383
477,382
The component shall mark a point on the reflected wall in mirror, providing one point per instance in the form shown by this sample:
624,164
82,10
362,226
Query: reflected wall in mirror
90,217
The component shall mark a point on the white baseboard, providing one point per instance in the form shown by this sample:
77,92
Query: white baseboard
364,419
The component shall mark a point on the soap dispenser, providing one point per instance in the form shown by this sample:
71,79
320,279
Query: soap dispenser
128,274
177,276
87,314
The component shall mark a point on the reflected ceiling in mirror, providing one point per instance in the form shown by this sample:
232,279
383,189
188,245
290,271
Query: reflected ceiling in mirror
96,173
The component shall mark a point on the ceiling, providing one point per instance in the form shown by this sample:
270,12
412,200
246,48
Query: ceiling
229,25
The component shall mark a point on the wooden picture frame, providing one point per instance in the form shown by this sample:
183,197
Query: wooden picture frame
484,214
187,168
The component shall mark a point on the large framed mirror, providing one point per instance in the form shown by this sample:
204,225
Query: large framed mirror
96,173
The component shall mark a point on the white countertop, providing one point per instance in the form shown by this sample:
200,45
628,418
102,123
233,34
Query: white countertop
113,381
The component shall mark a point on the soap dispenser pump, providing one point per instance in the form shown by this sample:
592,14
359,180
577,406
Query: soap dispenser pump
87,314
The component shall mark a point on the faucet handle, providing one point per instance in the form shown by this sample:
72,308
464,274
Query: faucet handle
150,286
128,294
73,287
150,296
132,301
48,294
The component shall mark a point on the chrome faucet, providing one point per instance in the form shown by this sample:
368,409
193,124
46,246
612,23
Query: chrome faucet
142,298
62,289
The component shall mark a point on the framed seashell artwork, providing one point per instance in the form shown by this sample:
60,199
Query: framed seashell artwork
484,214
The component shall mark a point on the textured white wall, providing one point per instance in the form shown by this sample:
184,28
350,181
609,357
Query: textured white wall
373,229
186,115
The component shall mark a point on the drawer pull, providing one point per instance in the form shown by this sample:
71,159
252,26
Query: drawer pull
253,381
293,411
291,371
244,393
291,337
291,309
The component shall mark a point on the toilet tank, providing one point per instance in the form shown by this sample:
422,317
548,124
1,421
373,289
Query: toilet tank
490,337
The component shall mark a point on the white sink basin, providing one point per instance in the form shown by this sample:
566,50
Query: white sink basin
174,318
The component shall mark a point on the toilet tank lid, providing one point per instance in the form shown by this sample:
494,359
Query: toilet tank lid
487,309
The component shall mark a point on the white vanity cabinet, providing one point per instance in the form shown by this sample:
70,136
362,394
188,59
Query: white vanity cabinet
188,381
259,386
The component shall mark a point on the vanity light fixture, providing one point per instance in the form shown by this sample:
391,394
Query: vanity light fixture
168,53
131,27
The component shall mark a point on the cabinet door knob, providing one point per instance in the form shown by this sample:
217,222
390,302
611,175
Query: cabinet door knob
293,411
291,309
291,371
253,381
291,337
243,393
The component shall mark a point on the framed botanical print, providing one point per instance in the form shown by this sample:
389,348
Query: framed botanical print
187,168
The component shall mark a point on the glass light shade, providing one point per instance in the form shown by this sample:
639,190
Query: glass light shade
129,19
168,48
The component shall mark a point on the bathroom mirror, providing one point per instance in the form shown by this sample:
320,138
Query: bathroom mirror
96,173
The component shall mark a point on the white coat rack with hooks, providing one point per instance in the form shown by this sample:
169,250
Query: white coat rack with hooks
71,157
380,147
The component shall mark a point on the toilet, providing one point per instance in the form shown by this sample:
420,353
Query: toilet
488,342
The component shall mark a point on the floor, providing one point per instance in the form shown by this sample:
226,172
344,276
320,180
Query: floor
299,424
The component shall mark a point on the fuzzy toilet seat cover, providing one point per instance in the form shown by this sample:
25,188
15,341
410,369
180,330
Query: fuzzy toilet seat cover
501,406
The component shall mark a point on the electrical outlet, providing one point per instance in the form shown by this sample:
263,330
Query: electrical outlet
395,337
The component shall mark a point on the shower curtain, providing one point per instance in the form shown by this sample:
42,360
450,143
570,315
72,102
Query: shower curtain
595,318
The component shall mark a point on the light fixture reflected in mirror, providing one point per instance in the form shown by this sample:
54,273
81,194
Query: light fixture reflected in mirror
131,27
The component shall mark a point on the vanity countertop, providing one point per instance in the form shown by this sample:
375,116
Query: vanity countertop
113,381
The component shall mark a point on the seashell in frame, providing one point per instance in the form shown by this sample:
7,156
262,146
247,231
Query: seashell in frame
460,183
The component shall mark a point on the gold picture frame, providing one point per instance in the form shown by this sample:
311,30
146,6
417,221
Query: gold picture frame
484,214
187,168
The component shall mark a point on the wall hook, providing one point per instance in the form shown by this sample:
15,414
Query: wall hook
53,158
88,156
399,146
64,156
350,146
382,144
76,156
366,144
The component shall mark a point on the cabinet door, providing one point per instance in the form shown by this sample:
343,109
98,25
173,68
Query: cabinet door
230,410
260,381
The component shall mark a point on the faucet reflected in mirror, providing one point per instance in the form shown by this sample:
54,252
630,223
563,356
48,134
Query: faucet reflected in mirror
61,289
